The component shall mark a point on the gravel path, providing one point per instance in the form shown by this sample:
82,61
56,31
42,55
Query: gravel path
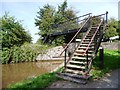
111,80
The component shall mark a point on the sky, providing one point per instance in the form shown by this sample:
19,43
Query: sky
26,10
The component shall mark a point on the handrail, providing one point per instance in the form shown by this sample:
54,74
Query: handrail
93,37
75,35
101,14
73,18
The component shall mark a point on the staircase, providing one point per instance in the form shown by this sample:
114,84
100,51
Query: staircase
77,68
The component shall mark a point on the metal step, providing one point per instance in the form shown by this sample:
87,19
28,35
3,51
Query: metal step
77,62
75,66
81,58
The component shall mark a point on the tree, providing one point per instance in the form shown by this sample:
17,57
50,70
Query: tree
113,28
12,32
45,19
48,18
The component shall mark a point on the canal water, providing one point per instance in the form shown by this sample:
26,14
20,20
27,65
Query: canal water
12,73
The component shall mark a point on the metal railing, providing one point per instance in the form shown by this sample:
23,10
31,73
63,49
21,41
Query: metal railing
70,24
97,37
65,49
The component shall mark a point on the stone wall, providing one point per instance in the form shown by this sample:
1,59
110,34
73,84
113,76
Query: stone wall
55,52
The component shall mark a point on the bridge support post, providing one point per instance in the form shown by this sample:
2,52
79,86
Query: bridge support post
101,57
65,58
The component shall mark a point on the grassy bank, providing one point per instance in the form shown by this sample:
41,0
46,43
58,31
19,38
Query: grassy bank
111,62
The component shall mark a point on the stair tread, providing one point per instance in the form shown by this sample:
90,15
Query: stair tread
89,35
75,66
66,77
85,44
87,39
83,51
80,50
81,58
94,27
77,62
78,40
74,71
85,47
77,76
82,54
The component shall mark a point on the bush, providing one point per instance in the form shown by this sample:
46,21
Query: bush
26,52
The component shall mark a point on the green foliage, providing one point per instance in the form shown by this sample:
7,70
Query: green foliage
48,16
26,52
95,21
58,41
45,19
111,62
113,28
12,32
6,53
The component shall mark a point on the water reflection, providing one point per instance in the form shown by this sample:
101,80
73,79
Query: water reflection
12,73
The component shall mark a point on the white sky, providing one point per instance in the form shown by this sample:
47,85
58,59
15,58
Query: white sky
26,10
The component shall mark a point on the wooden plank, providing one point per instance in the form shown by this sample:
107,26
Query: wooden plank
75,66
77,62
80,81
77,76
86,44
74,71
85,47
81,58
83,51
82,54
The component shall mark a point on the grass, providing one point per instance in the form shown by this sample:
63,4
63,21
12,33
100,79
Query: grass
111,62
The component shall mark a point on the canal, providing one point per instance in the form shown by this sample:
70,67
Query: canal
12,73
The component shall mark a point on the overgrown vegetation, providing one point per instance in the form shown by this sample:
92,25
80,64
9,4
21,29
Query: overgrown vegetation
16,42
26,52
111,62
113,28
12,32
